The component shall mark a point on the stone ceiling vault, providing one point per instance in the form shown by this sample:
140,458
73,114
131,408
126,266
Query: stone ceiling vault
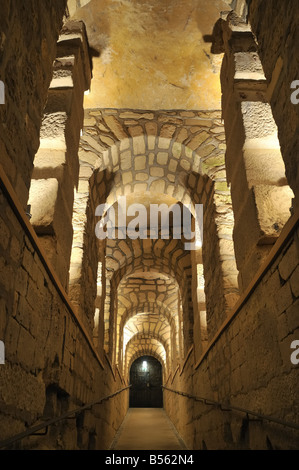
153,133
152,54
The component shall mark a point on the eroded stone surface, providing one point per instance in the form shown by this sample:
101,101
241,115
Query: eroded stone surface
153,55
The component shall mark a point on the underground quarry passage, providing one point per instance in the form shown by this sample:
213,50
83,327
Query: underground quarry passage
147,429
149,236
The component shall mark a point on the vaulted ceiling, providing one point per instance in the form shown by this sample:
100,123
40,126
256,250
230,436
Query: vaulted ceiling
148,56
152,54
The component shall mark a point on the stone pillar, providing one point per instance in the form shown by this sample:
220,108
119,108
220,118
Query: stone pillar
56,164
98,329
87,249
199,304
255,170
218,259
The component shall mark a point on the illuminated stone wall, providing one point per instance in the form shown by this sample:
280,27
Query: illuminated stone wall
72,331
29,33
277,25
249,367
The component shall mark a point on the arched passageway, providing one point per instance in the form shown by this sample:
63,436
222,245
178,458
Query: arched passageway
195,125
146,383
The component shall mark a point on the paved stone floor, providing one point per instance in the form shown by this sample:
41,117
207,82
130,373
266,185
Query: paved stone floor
147,429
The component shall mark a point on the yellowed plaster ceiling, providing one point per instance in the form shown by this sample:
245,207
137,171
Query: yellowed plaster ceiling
153,54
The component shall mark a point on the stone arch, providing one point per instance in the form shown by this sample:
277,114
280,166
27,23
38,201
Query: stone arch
179,282
143,331
111,145
153,293
145,347
160,315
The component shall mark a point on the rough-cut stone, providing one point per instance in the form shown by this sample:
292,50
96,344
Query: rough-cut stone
151,295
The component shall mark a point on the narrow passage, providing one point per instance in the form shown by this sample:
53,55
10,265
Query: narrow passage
147,429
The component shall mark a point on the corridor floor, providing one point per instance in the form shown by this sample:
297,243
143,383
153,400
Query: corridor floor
147,429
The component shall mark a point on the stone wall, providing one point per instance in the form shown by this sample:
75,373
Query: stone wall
51,365
29,33
249,366
56,164
275,27
261,196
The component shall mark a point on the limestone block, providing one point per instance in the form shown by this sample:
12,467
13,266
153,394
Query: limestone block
139,145
43,198
248,66
73,40
250,266
197,140
53,128
163,143
49,159
258,119
167,131
239,186
151,142
59,100
273,210
156,171
140,163
125,160
182,135
162,158
115,127
289,262
107,140
51,216
264,166
92,144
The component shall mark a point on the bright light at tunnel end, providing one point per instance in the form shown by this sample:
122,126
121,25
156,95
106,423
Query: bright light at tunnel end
113,222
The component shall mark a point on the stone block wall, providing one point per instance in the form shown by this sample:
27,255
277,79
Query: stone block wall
56,164
261,196
29,33
275,26
249,366
50,363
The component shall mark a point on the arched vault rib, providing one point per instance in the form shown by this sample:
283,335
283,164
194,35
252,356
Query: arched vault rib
143,329
191,154
155,294
154,319
177,146
127,257
139,346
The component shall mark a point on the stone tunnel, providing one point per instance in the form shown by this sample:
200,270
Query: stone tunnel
149,274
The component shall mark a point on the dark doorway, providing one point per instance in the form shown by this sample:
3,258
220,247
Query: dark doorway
146,381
